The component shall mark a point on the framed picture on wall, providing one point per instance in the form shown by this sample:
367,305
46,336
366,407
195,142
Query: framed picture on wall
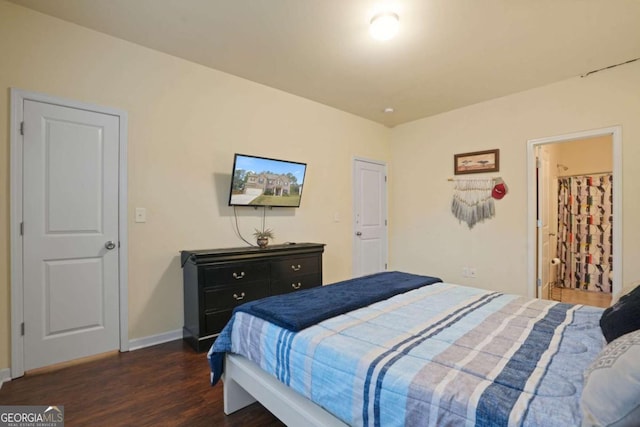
476,162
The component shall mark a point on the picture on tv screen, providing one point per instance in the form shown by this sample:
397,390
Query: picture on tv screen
260,181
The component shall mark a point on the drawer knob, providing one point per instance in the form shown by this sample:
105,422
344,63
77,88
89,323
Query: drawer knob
239,297
296,267
238,276
296,285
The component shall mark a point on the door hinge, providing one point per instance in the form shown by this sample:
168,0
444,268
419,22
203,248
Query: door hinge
22,228
22,329
539,223
385,265
539,281
21,128
385,222
538,163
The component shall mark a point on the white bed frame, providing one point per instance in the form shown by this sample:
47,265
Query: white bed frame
245,383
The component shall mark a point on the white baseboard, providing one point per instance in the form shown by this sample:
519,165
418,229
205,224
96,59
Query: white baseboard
135,344
5,375
138,343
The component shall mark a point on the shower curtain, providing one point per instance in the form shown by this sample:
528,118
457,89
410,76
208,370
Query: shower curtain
584,232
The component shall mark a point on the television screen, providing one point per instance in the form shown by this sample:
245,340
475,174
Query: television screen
260,181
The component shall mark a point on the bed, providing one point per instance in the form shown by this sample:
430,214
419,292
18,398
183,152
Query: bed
431,354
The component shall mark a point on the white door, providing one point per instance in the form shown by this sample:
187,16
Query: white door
544,260
70,243
370,218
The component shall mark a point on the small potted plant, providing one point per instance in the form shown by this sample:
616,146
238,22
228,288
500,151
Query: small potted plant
262,237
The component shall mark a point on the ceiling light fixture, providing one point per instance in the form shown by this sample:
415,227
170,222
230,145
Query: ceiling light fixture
388,110
384,26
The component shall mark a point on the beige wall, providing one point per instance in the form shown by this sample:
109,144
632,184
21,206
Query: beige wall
185,123
585,156
426,238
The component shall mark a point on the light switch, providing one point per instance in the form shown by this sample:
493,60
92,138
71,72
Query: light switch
141,215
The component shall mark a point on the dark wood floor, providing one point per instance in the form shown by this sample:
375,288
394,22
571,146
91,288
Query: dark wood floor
164,385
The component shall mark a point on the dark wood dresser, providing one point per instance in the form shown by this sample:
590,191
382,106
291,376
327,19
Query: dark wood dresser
217,280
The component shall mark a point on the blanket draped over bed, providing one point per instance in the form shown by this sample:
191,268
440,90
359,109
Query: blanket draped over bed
437,355
299,310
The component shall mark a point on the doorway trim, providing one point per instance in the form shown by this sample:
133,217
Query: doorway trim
616,135
18,97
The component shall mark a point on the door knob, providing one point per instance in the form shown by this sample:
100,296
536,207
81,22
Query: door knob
358,233
110,244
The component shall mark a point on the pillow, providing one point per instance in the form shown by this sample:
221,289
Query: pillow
625,290
622,317
611,393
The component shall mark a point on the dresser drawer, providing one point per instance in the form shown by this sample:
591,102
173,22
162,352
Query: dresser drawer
294,267
232,296
296,283
234,274
215,322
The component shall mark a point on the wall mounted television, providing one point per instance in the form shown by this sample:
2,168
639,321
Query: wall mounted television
261,181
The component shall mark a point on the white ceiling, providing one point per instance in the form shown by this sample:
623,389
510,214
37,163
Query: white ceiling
448,54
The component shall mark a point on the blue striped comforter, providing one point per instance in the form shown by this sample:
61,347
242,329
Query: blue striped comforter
439,355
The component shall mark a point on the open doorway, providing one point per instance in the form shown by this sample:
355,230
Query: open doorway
574,214
575,201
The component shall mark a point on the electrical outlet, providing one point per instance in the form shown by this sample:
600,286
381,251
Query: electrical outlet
465,271
472,272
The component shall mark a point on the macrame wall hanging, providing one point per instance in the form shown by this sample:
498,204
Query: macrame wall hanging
472,200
